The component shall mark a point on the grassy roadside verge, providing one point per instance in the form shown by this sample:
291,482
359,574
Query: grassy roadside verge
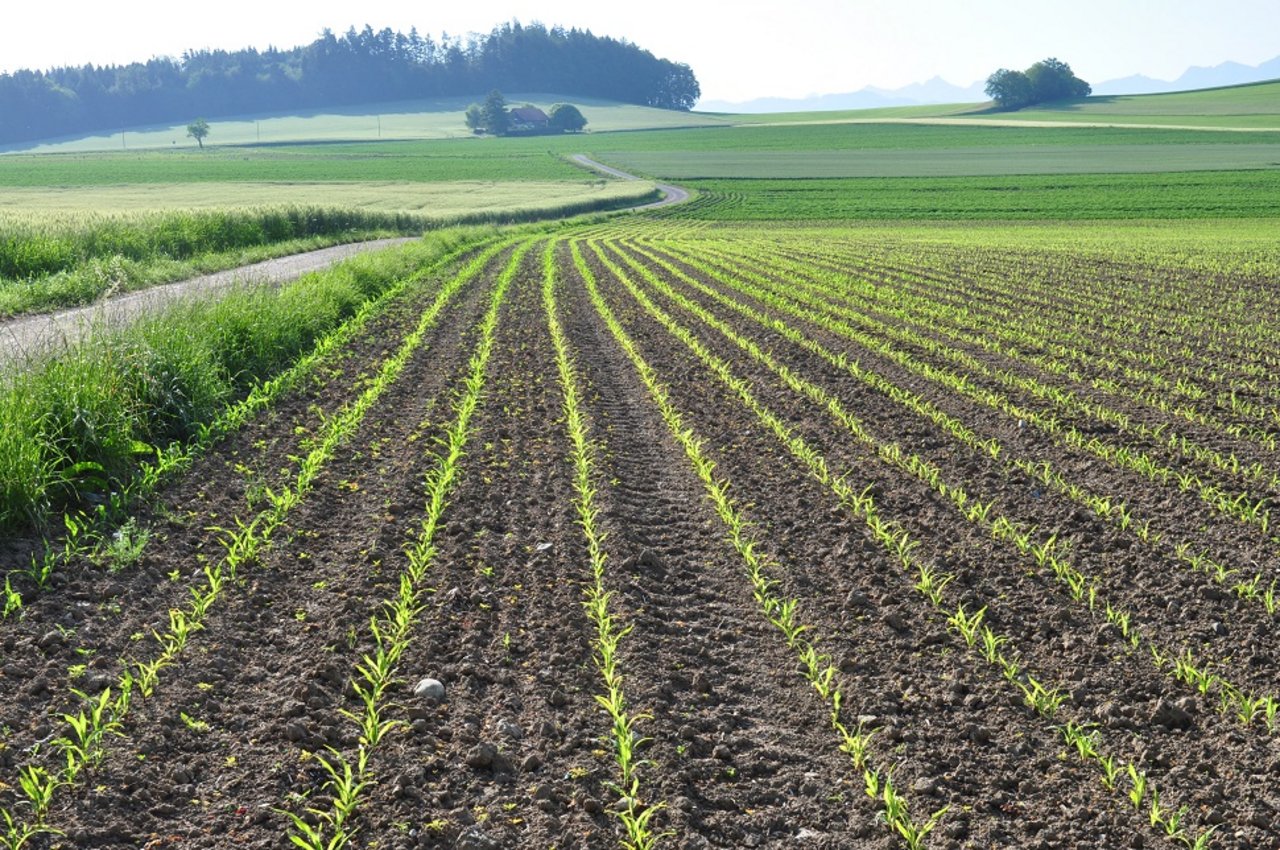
76,427
48,265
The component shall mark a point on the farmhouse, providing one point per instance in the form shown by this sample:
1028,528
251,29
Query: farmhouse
526,119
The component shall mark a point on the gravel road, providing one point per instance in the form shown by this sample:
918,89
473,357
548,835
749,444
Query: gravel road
670,194
29,337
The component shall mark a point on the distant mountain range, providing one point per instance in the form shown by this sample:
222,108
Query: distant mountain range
939,90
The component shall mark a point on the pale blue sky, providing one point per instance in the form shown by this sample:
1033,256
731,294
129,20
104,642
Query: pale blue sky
738,50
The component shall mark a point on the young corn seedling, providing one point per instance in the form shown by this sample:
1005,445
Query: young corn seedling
968,627
89,730
991,645
1138,786
932,586
18,833
1042,700
39,786
1082,739
1110,772
12,600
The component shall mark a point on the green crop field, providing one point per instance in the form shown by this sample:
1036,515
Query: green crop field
441,199
1190,195
911,485
1249,107
401,120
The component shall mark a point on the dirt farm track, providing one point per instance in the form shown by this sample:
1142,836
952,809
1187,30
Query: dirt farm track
823,583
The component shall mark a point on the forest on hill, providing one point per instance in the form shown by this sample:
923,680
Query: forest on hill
361,66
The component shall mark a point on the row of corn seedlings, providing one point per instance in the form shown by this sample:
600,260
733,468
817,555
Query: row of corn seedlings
635,815
1113,510
1045,700
984,324
87,534
349,777
817,666
1237,506
1046,554
1241,504
922,313
105,714
1111,344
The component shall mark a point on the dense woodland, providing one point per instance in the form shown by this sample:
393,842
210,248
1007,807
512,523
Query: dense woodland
336,70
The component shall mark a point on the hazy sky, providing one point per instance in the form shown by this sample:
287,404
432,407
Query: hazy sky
738,50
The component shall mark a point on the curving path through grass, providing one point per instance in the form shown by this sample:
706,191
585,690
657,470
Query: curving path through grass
26,339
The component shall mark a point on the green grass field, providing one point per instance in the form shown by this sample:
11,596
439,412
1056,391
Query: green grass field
952,162
396,121
442,199
880,165
1164,195
925,150
1255,106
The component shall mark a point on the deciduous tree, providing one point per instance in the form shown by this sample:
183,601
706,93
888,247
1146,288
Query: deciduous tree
198,130
1047,80
566,118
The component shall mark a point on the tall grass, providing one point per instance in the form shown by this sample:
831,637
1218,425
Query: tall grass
74,427
64,260
49,246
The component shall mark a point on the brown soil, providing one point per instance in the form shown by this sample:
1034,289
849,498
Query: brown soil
740,749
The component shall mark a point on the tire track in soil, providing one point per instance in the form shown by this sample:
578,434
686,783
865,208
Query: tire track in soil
1180,605
1111,687
509,755
743,752
266,681
213,492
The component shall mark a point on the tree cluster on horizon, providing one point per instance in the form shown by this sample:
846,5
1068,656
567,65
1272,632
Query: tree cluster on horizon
1045,81
494,118
358,67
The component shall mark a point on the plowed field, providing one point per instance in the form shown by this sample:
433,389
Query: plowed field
713,537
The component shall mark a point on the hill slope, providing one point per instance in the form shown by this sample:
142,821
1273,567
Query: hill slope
1253,106
440,118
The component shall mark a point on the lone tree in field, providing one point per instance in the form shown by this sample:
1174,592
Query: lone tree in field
1045,81
566,118
198,130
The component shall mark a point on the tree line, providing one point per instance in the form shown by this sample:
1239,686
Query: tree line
359,67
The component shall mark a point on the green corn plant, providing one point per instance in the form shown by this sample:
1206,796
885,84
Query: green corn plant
12,600
968,627
1110,772
1082,739
39,786
1202,841
1155,812
89,730
1045,702
931,586
991,644
1138,786
18,833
